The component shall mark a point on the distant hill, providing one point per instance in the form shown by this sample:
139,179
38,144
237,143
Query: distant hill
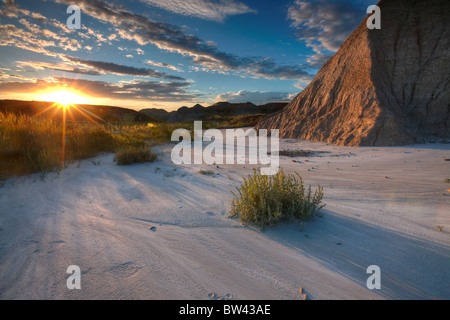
118,114
224,109
106,113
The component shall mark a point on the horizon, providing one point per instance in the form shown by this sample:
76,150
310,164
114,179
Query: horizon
125,107
155,54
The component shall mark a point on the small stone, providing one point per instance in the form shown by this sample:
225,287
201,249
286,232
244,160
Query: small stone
212,295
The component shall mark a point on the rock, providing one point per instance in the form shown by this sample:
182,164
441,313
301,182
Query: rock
212,295
384,87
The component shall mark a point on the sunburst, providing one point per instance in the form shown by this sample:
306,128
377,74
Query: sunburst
67,100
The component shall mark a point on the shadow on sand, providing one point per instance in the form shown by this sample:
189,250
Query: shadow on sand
411,268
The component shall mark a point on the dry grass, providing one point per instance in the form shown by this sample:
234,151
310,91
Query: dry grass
30,145
36,144
265,200
135,154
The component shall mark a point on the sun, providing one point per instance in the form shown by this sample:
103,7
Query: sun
64,98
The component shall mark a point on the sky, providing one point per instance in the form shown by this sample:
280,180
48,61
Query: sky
169,53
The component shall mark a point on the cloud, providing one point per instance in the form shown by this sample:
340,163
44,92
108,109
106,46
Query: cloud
130,90
96,68
165,36
97,35
318,59
64,43
217,10
163,65
325,24
36,65
10,35
256,97
4,75
119,69
40,40
12,10
268,69
37,38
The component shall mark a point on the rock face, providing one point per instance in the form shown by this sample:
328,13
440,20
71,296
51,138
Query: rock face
388,86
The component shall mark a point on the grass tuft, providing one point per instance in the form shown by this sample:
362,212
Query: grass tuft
135,154
265,200
206,172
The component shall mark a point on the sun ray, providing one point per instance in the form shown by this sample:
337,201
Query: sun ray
67,100
64,97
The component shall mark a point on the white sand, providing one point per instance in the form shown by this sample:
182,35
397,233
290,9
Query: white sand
382,208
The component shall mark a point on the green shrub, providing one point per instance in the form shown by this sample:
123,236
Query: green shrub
206,172
134,154
265,200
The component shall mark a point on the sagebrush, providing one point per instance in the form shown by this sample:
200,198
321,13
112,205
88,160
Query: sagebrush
265,200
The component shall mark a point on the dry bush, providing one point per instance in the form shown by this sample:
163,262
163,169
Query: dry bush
265,200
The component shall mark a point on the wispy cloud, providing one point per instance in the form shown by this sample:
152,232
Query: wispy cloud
268,69
37,65
130,90
163,65
65,43
217,10
120,69
256,97
325,24
10,35
165,36
12,10
4,75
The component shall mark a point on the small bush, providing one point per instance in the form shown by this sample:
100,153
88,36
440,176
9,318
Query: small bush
206,172
265,200
135,154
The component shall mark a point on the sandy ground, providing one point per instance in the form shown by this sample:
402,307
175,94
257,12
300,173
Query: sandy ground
162,231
